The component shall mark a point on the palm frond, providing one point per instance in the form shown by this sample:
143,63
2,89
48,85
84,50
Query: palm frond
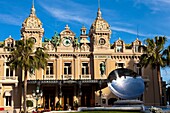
154,53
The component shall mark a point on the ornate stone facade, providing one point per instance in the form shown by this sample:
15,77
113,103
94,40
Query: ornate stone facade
73,73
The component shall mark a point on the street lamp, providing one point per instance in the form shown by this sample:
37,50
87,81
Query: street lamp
37,94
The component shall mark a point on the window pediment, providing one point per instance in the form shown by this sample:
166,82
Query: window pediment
9,40
119,42
137,42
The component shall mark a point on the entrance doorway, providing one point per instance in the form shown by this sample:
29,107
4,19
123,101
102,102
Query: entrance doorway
86,96
68,101
49,98
68,93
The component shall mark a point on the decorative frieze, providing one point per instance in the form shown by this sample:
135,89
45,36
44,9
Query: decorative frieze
102,56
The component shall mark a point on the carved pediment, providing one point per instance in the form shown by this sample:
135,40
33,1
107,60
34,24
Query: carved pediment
9,40
85,47
49,46
119,42
67,32
137,42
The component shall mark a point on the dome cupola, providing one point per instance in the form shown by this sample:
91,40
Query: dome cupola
32,28
32,21
99,24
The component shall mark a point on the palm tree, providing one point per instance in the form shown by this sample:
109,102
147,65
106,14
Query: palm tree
26,58
153,56
166,54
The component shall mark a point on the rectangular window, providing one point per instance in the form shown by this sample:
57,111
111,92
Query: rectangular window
9,44
49,70
9,71
120,65
137,48
67,68
119,48
138,69
85,69
8,100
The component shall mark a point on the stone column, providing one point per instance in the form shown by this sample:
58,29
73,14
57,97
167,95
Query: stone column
60,92
93,96
56,95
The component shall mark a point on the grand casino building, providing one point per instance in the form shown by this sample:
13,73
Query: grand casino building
73,73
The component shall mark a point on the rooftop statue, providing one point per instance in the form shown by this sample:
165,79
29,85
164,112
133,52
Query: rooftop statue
76,42
56,39
46,39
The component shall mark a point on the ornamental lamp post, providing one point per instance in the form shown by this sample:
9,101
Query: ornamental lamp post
37,94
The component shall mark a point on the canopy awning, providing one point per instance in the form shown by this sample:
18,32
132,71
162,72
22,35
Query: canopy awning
83,81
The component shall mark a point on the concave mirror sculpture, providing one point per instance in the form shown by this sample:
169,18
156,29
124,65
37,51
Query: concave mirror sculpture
125,83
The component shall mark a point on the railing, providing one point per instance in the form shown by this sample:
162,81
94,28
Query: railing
65,77
49,77
9,78
87,76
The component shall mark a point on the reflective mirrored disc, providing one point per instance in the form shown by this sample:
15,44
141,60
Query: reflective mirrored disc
125,83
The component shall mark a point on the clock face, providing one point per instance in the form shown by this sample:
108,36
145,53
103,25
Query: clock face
102,41
66,42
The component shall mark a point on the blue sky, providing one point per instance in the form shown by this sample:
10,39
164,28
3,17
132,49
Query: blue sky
149,17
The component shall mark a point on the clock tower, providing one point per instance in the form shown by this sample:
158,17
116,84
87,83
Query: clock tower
67,38
99,34
32,28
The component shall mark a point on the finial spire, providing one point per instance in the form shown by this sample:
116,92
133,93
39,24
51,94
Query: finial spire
67,27
99,14
32,9
32,3
99,4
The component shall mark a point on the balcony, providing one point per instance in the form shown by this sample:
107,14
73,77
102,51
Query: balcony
9,80
49,77
66,77
86,76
